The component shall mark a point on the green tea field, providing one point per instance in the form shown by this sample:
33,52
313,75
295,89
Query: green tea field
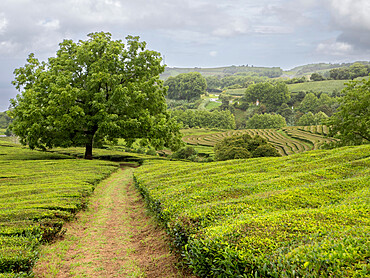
287,141
303,215
38,192
327,86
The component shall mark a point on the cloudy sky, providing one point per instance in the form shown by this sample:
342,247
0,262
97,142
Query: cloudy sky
191,33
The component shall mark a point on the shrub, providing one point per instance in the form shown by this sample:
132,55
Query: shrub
265,150
186,152
266,121
243,146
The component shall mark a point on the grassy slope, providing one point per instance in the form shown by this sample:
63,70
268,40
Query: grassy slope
300,215
327,86
218,71
38,192
318,86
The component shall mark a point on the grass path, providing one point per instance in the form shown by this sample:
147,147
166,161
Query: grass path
115,237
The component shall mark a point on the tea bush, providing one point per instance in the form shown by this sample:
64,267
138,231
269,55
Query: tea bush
304,215
39,191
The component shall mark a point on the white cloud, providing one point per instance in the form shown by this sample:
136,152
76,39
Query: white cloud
8,47
51,24
271,29
235,26
213,53
351,13
3,23
116,4
351,18
188,37
334,48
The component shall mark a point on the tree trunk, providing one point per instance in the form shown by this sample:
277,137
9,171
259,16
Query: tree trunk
90,142
88,151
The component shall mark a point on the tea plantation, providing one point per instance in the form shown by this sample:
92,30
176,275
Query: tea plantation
288,140
303,215
38,192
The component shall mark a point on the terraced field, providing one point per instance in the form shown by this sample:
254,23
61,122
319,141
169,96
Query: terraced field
287,141
303,215
316,129
38,192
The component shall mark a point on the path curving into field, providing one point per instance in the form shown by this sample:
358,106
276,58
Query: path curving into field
115,237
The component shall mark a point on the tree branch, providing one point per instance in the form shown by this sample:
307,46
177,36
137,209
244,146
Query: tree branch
364,137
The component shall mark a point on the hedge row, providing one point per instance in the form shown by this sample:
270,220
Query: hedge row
304,215
38,192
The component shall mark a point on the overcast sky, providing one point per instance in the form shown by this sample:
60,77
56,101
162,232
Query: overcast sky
191,33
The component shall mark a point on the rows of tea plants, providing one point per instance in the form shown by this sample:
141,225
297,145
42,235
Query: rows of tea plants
311,134
304,215
287,141
315,129
39,191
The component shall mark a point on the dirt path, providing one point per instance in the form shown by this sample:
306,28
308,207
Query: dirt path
114,238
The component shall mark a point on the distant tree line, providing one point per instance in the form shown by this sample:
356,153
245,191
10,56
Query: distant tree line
265,104
271,105
217,84
205,119
256,71
296,80
5,120
352,72
324,67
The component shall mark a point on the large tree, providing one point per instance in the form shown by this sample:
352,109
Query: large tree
271,95
351,122
91,91
309,104
187,86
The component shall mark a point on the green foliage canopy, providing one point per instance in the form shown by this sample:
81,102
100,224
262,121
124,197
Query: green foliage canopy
352,72
205,119
271,95
316,77
186,152
186,86
243,146
260,121
309,103
351,122
5,120
312,119
91,91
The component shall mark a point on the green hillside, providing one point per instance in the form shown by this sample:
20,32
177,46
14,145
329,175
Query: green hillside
287,141
224,71
319,67
327,86
304,215
304,70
